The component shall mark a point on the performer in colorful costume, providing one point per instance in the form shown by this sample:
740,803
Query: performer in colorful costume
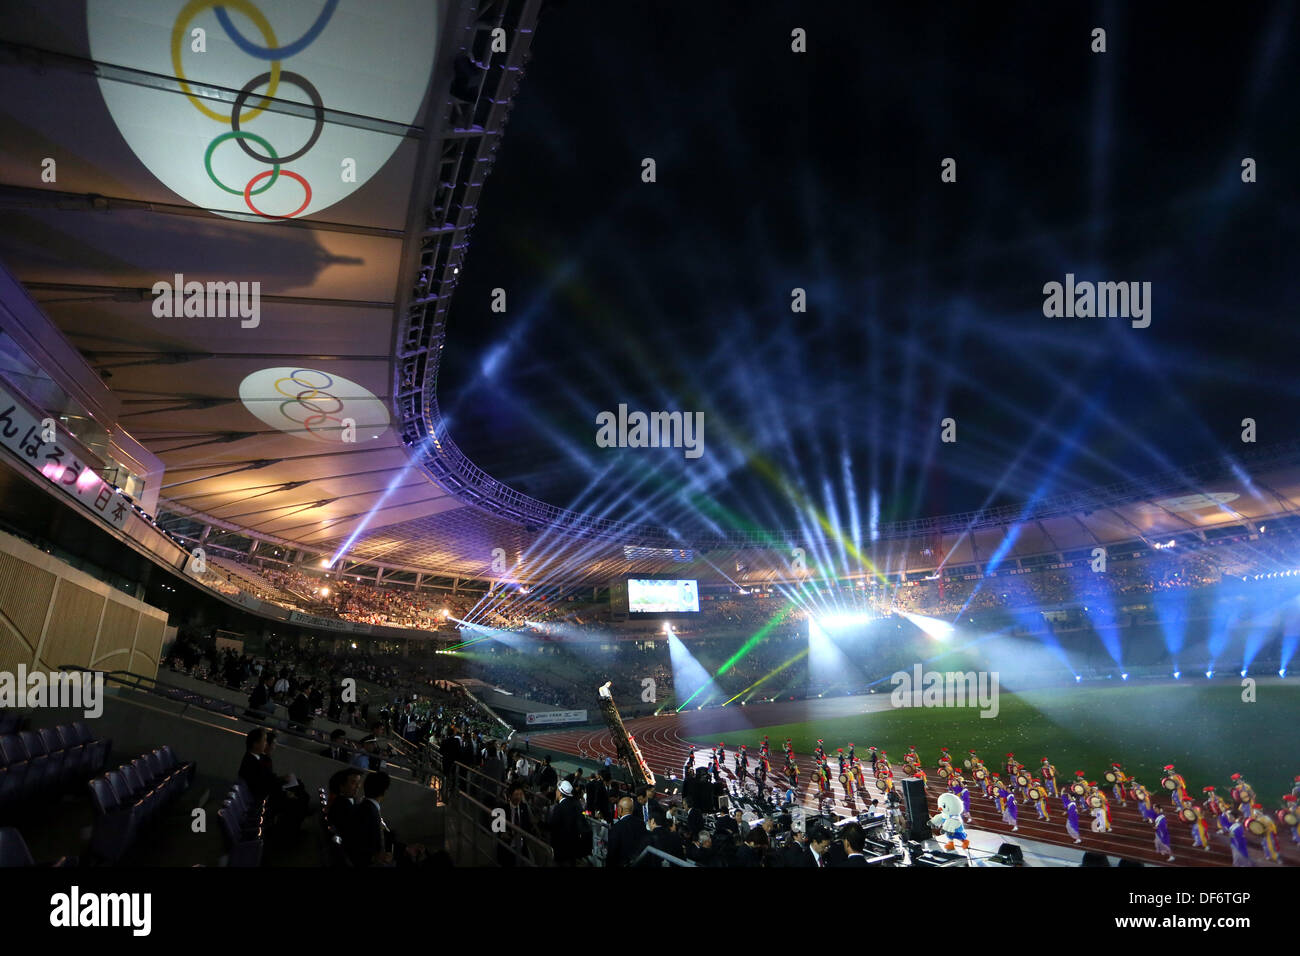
1037,792
1243,794
1162,835
1237,840
1216,810
1071,817
1048,773
1146,806
1200,829
1289,815
1173,782
1259,820
1010,811
1120,779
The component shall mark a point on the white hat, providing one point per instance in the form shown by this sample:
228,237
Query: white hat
566,788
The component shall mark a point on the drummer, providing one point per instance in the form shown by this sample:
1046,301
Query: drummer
1013,768
1145,804
1038,794
912,758
1200,829
1289,816
1100,809
1243,794
1048,773
846,780
1118,777
1173,782
945,761
839,752
1216,809
1264,828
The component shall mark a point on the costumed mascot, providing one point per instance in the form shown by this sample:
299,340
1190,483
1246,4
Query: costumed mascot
948,820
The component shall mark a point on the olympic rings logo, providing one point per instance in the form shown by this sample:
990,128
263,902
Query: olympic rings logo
271,79
308,398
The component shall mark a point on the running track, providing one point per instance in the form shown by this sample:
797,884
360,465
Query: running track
665,751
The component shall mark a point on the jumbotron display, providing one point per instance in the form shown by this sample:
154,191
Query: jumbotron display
647,596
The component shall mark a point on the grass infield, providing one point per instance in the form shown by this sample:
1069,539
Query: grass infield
1205,729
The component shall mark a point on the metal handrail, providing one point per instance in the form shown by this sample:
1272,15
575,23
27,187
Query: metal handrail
668,858
213,705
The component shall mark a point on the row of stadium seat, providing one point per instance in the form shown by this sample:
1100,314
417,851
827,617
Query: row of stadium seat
39,764
14,852
128,799
243,822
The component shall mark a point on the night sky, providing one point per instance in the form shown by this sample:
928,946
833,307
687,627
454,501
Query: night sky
821,170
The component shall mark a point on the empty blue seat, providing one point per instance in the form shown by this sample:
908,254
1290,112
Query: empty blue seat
243,850
117,823
13,849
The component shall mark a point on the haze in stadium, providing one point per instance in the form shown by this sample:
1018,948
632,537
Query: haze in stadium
452,434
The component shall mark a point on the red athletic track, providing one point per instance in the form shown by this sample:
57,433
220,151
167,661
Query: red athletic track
666,751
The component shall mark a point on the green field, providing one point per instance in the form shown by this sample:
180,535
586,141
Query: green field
1205,729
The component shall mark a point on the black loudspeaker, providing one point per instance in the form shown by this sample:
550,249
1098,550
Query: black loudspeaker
918,813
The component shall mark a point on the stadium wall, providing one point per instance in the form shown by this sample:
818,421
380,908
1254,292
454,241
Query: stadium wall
52,615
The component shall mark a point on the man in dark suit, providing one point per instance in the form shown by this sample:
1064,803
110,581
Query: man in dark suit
369,841
519,815
598,795
694,818
344,787
255,769
547,777
566,827
664,836
338,748
819,846
795,853
627,837
451,753
259,700
854,839
700,852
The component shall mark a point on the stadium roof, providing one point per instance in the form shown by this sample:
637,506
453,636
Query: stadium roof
355,288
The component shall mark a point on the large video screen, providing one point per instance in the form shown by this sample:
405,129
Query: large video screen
645,596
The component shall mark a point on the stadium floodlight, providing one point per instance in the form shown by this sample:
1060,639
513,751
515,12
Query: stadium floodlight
1123,676
668,628
324,592
1077,678
1282,672
1209,674
1243,672
1177,675
324,562
931,626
